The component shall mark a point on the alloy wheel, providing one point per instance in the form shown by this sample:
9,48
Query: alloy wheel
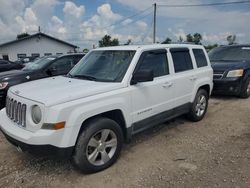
201,105
101,147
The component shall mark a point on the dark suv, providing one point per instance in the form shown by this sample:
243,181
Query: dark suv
231,65
41,68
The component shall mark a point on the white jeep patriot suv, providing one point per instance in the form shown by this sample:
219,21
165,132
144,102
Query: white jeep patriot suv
110,95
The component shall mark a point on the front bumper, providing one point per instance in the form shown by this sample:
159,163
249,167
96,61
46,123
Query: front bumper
42,142
227,86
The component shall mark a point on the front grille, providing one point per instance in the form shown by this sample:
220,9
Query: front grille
16,111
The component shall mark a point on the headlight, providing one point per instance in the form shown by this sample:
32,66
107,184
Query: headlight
3,85
235,73
36,114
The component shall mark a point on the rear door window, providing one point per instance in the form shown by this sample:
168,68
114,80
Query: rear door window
181,59
200,57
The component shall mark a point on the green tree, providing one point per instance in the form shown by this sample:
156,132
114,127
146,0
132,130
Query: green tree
211,46
106,41
231,39
189,38
197,37
167,41
180,39
128,42
22,35
85,50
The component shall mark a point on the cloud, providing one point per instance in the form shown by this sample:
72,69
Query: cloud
177,34
70,8
106,21
210,20
44,10
57,21
28,22
67,20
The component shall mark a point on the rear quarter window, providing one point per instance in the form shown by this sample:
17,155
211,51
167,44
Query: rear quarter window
200,58
181,59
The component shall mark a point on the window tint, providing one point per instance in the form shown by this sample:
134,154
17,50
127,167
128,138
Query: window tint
156,61
77,58
200,57
181,59
63,65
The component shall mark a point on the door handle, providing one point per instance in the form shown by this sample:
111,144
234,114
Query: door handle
167,85
193,78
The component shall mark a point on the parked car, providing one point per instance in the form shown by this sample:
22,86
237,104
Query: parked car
231,65
8,65
41,68
27,59
110,95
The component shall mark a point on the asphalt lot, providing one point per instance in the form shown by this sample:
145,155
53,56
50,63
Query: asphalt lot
214,152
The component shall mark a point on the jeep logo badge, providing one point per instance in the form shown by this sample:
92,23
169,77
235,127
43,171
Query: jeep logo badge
17,92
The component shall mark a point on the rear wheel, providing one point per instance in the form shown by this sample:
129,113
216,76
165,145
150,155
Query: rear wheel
98,146
199,106
245,93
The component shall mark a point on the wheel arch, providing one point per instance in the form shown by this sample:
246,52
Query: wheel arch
115,115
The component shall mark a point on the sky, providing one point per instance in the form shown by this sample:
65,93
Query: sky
85,22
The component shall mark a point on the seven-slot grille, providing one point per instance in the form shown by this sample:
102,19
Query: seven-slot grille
16,111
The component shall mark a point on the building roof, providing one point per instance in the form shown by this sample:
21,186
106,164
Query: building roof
38,34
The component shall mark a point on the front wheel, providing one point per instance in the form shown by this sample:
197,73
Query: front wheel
98,146
245,93
199,106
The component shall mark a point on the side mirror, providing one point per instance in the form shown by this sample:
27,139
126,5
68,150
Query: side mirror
145,75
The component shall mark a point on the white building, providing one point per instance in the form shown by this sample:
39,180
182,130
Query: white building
36,45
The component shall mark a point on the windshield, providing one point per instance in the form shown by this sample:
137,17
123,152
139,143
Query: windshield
38,64
224,54
106,65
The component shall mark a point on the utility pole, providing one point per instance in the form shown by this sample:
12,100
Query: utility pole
154,31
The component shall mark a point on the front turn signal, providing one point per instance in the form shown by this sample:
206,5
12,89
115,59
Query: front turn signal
54,126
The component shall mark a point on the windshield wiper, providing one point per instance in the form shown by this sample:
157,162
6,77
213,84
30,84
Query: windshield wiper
86,77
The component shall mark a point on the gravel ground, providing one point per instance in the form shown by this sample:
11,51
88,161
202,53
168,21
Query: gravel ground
212,153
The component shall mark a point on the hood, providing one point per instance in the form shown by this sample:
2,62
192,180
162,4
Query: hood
229,65
13,74
60,89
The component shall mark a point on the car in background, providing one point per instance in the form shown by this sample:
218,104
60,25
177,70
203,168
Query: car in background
231,65
44,67
8,65
25,60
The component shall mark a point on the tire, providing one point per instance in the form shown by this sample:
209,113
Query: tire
92,152
245,92
199,106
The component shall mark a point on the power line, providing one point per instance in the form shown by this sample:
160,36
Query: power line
141,18
120,21
207,4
